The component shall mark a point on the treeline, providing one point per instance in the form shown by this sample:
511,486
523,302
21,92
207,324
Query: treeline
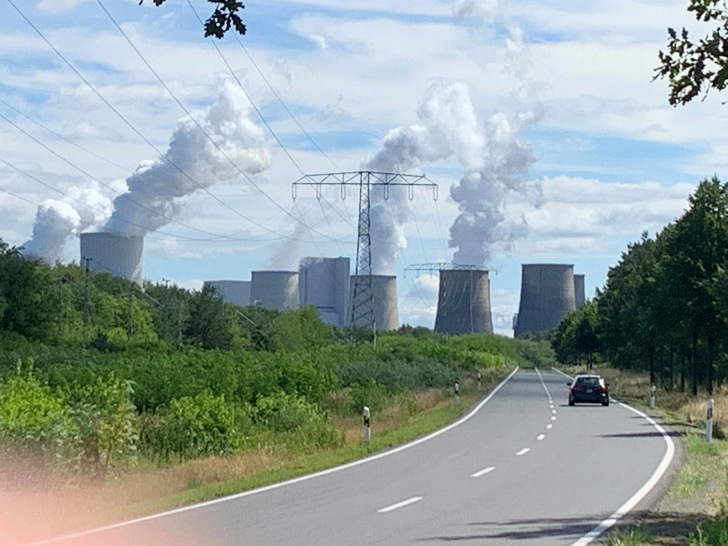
664,308
96,371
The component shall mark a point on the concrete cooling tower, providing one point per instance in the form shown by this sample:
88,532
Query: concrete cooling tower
579,291
276,290
324,283
113,253
463,304
235,292
547,296
386,315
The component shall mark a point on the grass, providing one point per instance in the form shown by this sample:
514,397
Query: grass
634,535
151,489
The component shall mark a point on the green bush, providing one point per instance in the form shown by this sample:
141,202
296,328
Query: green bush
300,423
191,427
107,422
370,394
713,532
33,416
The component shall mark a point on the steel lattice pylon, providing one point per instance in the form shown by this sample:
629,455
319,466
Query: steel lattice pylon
362,309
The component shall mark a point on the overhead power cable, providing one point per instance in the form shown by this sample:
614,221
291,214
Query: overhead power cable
90,176
207,135
262,118
65,139
135,130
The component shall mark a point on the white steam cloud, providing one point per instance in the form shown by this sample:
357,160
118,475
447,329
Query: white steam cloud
56,220
493,154
446,126
192,162
495,161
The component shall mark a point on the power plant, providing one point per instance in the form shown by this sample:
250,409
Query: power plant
386,314
463,304
324,283
113,253
547,296
276,290
579,290
236,292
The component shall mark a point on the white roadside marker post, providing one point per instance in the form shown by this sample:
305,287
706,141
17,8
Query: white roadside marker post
652,396
709,422
367,434
480,381
457,392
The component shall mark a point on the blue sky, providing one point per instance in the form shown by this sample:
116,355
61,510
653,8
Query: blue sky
557,94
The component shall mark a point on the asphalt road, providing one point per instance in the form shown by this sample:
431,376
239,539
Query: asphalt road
525,468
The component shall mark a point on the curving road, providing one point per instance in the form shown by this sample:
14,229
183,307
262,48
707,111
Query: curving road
522,468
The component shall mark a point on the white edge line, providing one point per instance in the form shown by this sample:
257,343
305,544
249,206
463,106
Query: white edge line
399,505
483,472
642,492
299,479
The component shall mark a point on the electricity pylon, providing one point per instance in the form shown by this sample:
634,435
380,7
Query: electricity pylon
362,307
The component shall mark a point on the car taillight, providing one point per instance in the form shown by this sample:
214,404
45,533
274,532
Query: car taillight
603,389
574,387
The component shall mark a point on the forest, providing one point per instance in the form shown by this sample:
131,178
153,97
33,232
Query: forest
99,373
664,307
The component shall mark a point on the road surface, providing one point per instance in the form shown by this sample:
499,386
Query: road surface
523,468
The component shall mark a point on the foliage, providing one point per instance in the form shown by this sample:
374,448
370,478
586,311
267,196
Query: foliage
191,427
576,337
306,426
28,302
106,421
665,304
712,532
33,416
224,17
689,65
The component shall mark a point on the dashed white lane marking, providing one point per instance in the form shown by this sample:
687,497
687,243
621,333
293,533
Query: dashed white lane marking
549,426
523,451
553,411
399,505
553,418
540,437
483,472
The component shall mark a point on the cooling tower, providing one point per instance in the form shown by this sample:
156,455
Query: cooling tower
236,292
113,253
277,290
547,296
324,283
386,316
463,303
579,291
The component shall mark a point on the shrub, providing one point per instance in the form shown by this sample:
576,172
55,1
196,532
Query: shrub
33,416
192,427
298,421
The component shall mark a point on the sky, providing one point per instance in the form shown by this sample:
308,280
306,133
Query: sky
539,122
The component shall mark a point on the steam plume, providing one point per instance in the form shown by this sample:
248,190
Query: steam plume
447,126
56,220
157,184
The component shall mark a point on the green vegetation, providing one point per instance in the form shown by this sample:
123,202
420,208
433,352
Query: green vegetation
664,308
98,374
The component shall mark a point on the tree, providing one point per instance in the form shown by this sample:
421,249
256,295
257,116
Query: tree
210,324
689,65
29,299
222,19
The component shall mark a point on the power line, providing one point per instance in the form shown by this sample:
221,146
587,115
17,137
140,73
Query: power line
214,143
132,127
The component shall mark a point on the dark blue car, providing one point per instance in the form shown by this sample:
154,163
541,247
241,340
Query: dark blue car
588,388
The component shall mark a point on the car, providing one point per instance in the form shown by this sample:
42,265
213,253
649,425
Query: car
589,388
